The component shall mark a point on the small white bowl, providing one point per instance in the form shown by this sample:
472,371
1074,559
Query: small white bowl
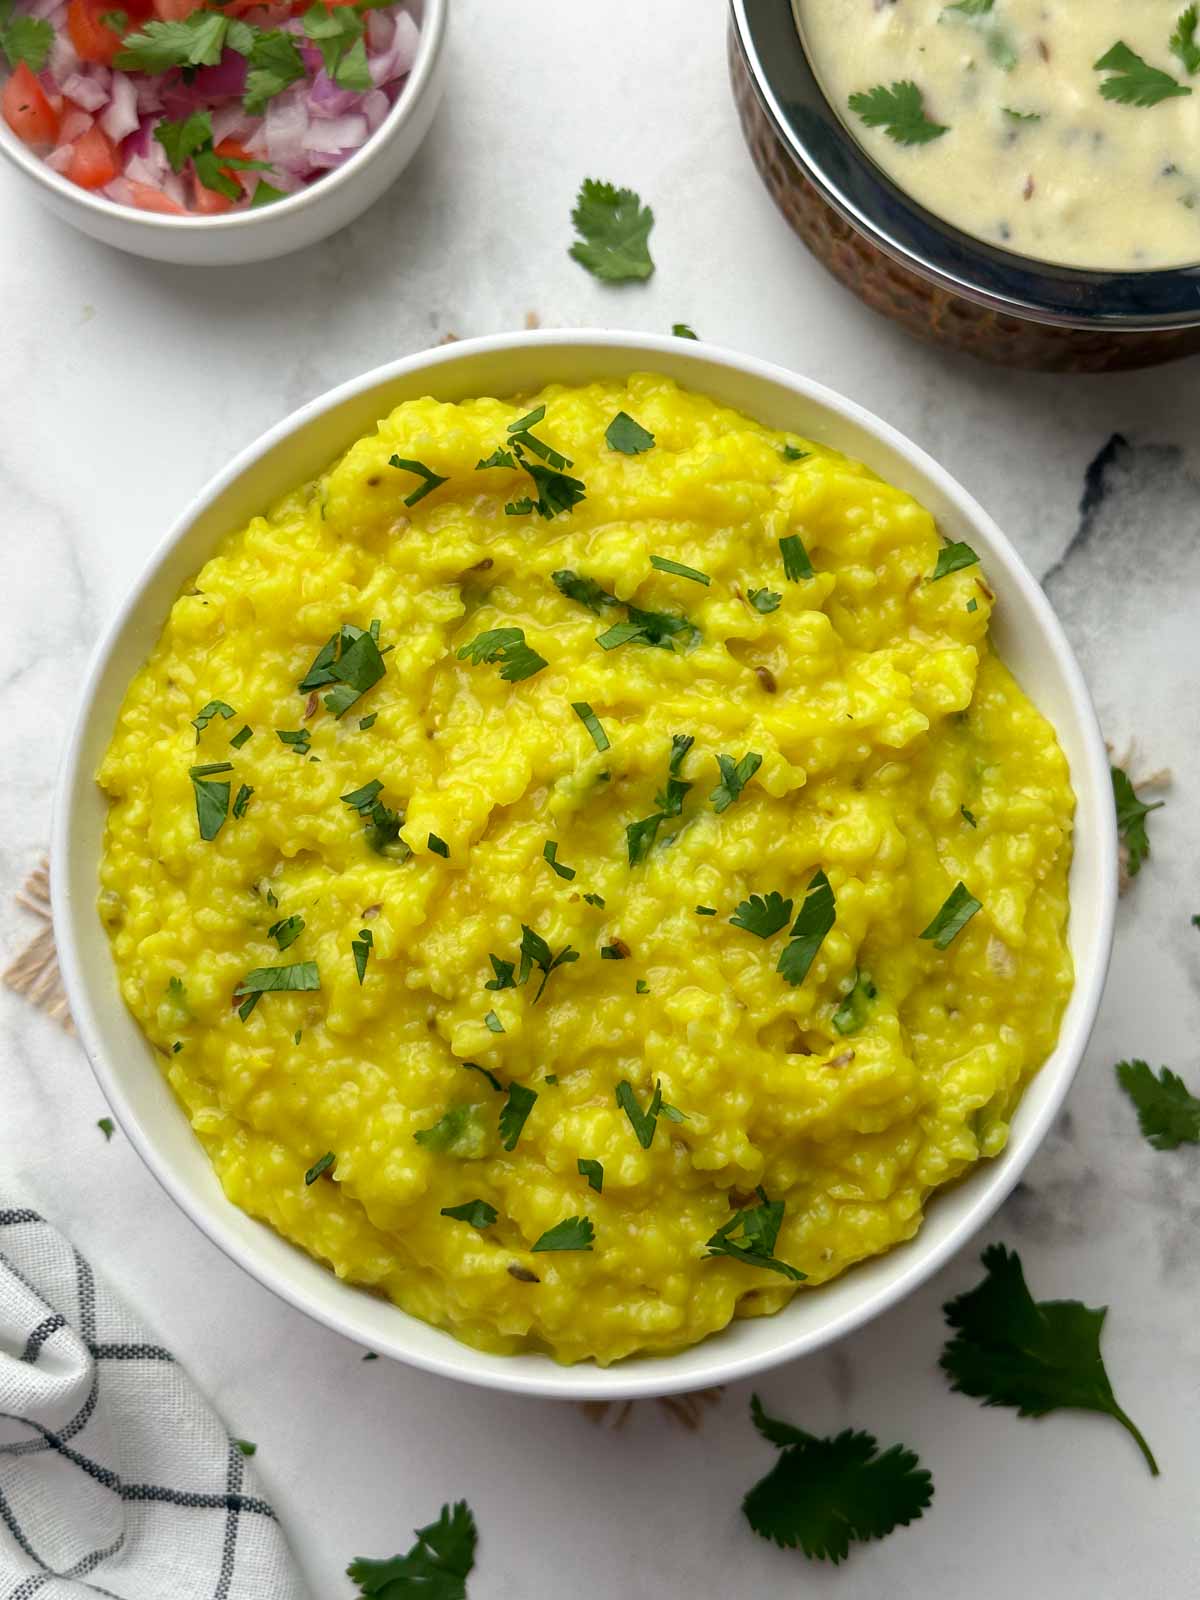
230,240
1027,633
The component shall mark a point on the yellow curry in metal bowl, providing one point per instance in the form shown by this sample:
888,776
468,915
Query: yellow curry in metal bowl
584,870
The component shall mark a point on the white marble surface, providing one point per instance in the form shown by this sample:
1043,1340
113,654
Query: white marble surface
129,384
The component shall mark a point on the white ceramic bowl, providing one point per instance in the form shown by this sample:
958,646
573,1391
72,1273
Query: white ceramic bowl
1026,631
275,230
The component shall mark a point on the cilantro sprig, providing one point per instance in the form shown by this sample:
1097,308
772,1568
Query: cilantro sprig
614,229
275,63
899,111
192,140
824,1494
1132,81
535,952
758,1227
1037,1356
195,41
1168,1114
437,1566
1131,820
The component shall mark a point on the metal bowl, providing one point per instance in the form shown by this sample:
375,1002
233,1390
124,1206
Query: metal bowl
938,282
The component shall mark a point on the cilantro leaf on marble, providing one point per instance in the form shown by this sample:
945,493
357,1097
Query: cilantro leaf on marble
436,1568
1168,1114
1037,1356
1131,820
614,229
824,1494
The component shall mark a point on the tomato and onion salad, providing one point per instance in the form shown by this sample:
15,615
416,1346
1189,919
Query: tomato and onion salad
194,109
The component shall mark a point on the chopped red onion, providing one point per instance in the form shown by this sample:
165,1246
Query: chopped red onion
89,94
74,125
336,134
60,159
228,77
375,107
121,118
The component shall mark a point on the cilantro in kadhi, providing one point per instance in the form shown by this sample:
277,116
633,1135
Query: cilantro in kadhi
899,111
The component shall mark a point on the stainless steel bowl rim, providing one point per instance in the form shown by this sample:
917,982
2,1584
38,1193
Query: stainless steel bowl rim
829,156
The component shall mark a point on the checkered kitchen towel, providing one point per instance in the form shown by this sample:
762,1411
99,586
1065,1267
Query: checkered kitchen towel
116,1477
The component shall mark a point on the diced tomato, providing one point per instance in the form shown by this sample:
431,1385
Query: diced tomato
73,123
26,109
93,40
208,202
175,10
95,161
147,198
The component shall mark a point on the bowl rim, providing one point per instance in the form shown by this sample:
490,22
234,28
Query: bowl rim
658,1375
432,38
825,150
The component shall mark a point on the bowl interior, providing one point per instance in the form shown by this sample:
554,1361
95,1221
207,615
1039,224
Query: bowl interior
1027,634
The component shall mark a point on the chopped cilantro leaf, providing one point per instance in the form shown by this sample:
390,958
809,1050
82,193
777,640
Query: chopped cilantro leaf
26,40
437,1566
764,600
1021,116
614,952
706,911
477,1212
286,931
299,739
550,853
108,1127
214,708
971,8
438,847
299,975
196,41
793,452
585,590
266,194
556,491
367,722
573,1233
796,564
506,645
1035,1355
763,915
535,952
642,1122
240,737
1167,1113
1132,81
593,1172
212,799
1131,820
968,817
682,331
759,1229
824,1493
735,775
677,568
641,987
361,948
514,1113
953,558
852,1013
817,916
595,900
613,228
529,420
338,35
430,479
628,437
319,1167
493,1022
500,457
503,974
899,111
275,62
640,836
959,906
473,1066
591,722
1183,41
361,800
